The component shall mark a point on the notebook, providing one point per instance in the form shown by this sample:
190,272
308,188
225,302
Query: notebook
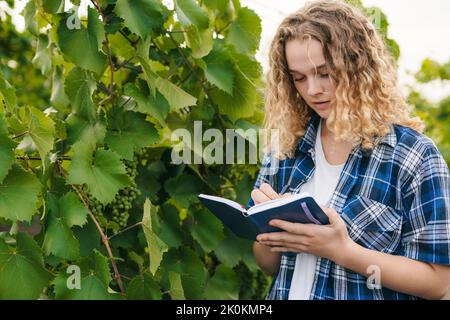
300,208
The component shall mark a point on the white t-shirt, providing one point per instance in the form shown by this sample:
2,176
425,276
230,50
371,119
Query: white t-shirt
321,186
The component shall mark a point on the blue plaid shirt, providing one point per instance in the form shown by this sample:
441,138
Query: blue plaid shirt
395,199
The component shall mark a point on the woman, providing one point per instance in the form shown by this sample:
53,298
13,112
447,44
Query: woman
347,138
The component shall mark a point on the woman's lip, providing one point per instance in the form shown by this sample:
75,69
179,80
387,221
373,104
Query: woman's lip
321,102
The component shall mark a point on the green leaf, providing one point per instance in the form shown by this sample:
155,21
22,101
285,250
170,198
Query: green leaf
177,97
170,232
102,171
80,129
29,13
64,214
143,287
79,86
241,104
7,146
184,189
176,287
156,246
82,45
7,94
189,13
22,272
207,230
219,70
95,279
42,58
53,6
232,249
192,270
157,106
245,31
224,285
18,195
140,16
58,96
41,129
128,132
199,40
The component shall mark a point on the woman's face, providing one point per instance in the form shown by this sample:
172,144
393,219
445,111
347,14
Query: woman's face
310,74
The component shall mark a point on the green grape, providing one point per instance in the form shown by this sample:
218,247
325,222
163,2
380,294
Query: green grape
119,207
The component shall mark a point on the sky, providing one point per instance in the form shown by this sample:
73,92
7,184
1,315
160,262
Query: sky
420,27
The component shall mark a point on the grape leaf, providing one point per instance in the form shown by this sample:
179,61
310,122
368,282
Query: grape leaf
41,130
192,270
82,45
245,31
219,70
157,106
177,97
189,13
199,40
100,169
140,16
224,285
156,246
7,94
143,287
22,272
207,230
18,195
7,147
128,132
94,282
65,213
79,86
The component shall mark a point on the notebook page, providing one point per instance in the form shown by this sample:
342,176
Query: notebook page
231,203
276,203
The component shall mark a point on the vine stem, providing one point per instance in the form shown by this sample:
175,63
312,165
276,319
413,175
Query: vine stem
105,241
126,229
108,51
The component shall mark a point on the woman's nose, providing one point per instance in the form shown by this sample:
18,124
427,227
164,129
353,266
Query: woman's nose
314,87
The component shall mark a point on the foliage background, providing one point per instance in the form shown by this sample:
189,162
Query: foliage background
86,116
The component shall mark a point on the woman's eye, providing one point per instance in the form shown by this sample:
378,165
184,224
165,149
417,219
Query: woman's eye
325,75
299,79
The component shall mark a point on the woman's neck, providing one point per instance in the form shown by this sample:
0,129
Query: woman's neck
335,151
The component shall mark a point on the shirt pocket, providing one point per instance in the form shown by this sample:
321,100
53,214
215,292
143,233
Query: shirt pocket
373,224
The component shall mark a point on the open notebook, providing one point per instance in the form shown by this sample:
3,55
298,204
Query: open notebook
300,208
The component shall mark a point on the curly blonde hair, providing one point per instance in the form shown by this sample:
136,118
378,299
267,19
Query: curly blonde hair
367,100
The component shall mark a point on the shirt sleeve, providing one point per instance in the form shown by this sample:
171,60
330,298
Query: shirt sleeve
426,226
265,175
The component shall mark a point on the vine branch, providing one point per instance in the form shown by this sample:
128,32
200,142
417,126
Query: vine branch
105,239
108,51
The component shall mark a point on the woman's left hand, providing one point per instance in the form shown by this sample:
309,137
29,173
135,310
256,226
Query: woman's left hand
327,241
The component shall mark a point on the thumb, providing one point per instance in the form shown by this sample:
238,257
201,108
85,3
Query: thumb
333,216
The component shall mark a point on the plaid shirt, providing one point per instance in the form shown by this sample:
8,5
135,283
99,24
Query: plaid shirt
395,199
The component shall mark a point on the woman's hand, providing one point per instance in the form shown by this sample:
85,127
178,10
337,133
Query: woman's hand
328,241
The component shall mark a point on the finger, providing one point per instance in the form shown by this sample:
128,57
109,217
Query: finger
267,189
278,244
281,237
295,228
286,195
258,196
287,249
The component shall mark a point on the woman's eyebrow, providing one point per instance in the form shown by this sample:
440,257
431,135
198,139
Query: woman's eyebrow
312,69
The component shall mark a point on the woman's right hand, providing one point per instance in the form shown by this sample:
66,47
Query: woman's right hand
267,260
265,193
